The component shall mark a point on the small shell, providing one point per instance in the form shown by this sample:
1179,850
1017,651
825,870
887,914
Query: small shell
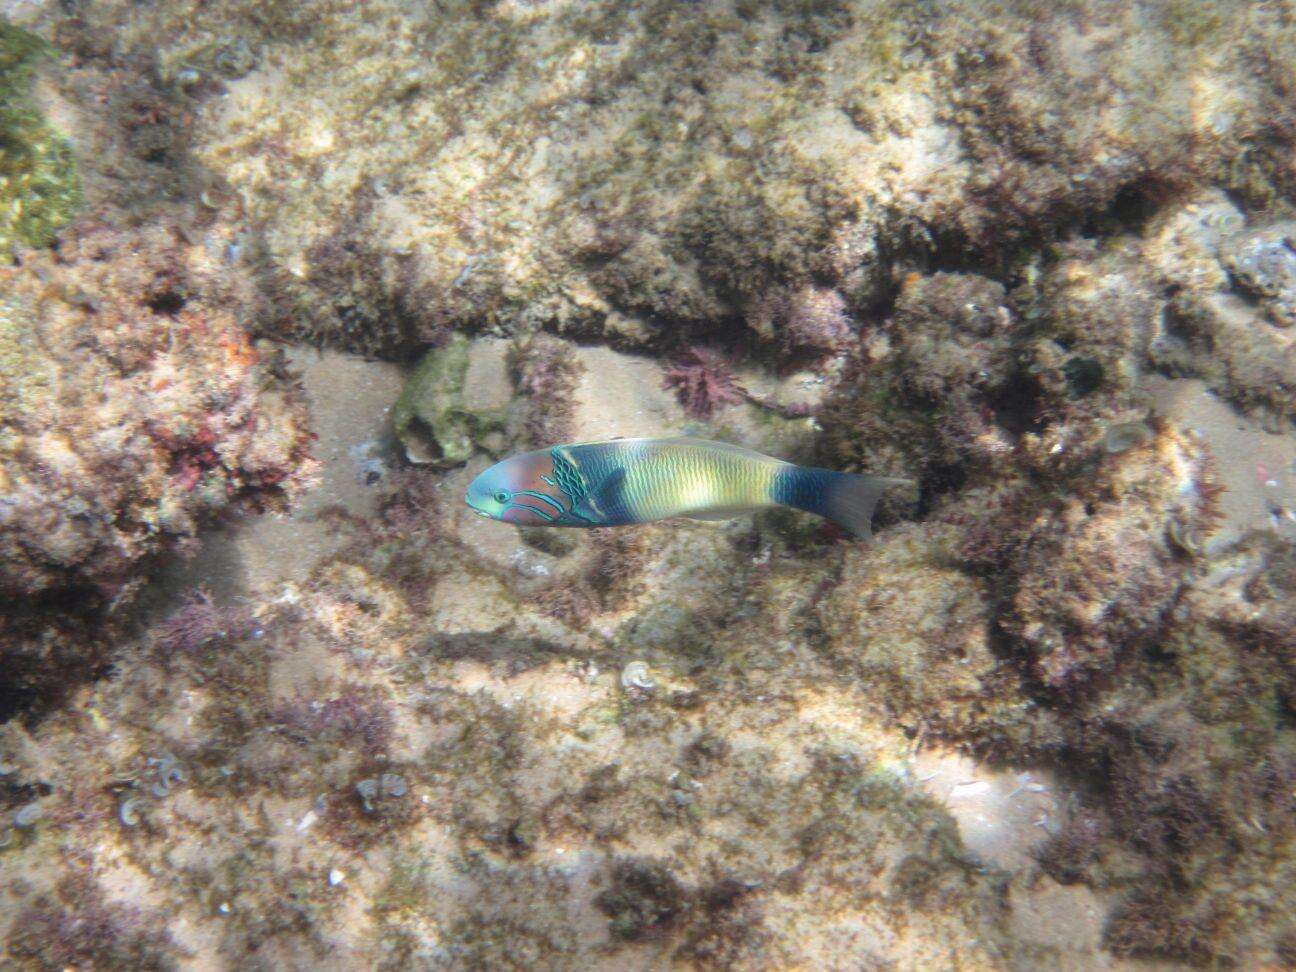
1183,537
1125,436
393,785
637,676
27,816
168,774
368,791
129,812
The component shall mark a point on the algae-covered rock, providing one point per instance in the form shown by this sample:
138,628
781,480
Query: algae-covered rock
456,397
688,743
1263,262
447,744
940,388
629,171
716,814
1100,572
38,181
1228,316
920,632
1190,822
133,409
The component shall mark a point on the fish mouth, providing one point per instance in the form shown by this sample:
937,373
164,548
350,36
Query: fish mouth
473,506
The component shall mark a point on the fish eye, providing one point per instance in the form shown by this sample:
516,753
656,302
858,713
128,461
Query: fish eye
501,497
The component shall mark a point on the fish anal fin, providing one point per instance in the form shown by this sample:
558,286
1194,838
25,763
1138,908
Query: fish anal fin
724,513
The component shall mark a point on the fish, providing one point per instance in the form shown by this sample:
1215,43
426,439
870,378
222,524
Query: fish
627,481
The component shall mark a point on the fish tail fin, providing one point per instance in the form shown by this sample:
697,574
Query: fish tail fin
847,499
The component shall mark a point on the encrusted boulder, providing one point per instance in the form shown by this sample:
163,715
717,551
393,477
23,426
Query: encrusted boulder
133,407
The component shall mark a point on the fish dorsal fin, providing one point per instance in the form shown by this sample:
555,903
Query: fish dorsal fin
713,445
674,440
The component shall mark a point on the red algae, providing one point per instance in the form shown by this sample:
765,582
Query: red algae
703,382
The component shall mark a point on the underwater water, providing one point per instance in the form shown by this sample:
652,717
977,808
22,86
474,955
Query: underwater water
283,280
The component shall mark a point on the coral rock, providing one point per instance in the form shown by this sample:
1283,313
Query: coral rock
133,408
1264,264
1099,573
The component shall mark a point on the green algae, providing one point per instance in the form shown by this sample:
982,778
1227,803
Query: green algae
431,419
39,188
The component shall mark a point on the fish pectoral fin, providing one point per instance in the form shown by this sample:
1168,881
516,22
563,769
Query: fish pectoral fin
608,495
604,501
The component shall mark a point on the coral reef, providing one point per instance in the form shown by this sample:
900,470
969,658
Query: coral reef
134,409
688,743
1093,633
486,797
947,242
1059,603
1196,756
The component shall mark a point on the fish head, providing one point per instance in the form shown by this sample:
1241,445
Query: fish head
518,490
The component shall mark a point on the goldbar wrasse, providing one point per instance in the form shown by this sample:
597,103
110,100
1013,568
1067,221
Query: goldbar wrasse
621,481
